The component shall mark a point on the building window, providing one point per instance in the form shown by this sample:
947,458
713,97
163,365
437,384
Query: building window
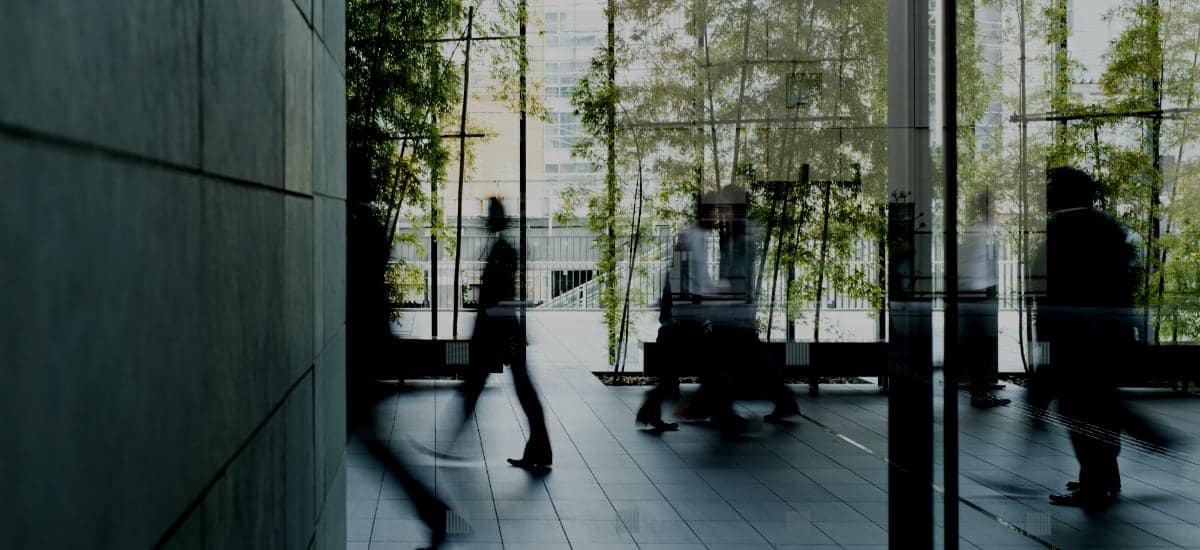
563,281
570,168
564,130
557,21
561,76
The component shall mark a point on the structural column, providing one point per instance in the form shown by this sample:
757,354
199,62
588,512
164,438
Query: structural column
910,276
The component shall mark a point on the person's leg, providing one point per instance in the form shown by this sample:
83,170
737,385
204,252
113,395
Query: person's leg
1104,415
471,387
485,353
776,387
1097,453
1095,439
667,384
469,391
666,387
696,354
977,348
1109,417
537,449
727,350
432,511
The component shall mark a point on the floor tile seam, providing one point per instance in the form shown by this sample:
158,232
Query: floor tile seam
739,512
488,474
437,408
829,458
570,436
371,533
868,427
553,505
1164,540
641,470
1162,511
839,499
557,419
1009,470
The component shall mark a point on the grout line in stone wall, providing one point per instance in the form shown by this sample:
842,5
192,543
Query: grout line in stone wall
81,146
208,487
199,92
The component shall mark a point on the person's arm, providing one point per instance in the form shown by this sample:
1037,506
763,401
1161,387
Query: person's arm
698,278
664,304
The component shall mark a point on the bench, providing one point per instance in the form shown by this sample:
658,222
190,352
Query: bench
809,360
1161,363
425,357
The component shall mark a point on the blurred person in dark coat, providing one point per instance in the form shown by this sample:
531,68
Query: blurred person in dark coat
734,356
498,339
1086,318
682,317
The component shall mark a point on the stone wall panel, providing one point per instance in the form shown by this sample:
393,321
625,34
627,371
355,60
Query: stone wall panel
329,127
243,89
298,295
103,386
298,83
242,320
122,76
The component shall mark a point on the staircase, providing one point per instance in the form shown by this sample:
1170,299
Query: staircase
587,294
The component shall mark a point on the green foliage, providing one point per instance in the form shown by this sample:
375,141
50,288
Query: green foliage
399,83
715,88
404,91
1149,66
507,58
595,100
405,283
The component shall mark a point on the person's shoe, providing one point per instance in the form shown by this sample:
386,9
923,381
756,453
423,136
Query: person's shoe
659,426
532,465
988,401
655,422
1087,500
1074,486
781,415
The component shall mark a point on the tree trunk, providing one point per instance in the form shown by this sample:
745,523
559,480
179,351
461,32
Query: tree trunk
462,155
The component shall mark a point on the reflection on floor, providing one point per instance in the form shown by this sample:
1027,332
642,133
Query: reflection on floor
810,484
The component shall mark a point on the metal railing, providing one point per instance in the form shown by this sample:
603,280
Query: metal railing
652,271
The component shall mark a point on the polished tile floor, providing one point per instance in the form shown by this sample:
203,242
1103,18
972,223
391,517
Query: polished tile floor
819,482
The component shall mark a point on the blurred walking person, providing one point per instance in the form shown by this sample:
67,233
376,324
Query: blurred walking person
734,356
979,308
499,339
681,316
1086,318
365,392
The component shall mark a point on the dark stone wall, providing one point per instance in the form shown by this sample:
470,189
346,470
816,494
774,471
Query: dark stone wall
172,274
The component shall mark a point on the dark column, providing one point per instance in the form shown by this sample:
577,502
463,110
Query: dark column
910,349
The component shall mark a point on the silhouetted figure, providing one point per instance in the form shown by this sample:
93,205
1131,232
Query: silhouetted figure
363,391
363,395
682,320
734,356
498,339
677,340
1086,319
978,306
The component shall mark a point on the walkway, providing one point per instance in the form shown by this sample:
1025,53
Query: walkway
819,483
